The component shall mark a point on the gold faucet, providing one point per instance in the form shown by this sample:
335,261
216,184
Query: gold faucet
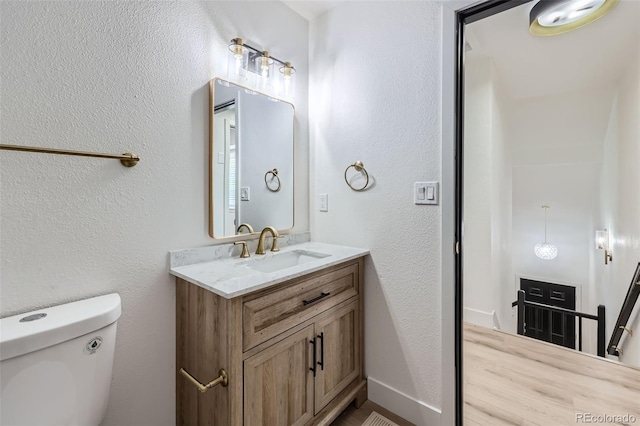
245,225
245,250
263,235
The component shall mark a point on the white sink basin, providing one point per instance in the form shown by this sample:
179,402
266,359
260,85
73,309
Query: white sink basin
278,261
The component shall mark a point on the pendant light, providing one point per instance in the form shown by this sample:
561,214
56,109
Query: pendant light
552,17
545,250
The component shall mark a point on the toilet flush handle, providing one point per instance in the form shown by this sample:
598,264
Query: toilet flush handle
222,379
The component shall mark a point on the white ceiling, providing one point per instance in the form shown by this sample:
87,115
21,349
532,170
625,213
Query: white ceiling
311,9
531,66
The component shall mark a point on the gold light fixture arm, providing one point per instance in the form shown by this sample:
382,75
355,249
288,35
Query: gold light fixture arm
608,257
222,379
127,159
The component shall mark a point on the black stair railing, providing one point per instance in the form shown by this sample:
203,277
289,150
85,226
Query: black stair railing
521,303
625,313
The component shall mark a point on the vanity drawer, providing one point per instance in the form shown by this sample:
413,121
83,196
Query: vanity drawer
272,313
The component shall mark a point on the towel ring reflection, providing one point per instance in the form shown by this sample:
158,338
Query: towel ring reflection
274,174
359,167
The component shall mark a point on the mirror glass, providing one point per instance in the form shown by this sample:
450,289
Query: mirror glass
551,178
551,216
251,160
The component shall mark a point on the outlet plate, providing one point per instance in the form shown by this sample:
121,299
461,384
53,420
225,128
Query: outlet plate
324,202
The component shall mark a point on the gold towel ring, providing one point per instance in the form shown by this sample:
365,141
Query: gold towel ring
273,172
359,168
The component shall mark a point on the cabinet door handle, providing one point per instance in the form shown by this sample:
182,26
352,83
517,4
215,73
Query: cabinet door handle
313,343
315,299
321,362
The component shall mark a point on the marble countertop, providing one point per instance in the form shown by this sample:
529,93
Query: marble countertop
231,278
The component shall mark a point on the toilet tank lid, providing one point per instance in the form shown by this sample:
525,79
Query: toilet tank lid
61,323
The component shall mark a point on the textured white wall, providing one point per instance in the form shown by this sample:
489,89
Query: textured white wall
375,96
114,77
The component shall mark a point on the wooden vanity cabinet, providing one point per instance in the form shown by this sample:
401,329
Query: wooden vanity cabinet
293,352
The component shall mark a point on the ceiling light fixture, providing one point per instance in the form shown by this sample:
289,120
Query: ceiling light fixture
552,17
544,250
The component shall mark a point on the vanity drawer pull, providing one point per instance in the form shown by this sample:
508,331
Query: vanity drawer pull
315,299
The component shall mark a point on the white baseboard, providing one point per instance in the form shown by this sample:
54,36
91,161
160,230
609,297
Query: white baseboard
409,408
481,318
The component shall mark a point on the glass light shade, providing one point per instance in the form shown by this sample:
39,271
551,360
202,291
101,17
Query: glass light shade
238,60
569,12
287,80
553,17
264,71
602,240
546,251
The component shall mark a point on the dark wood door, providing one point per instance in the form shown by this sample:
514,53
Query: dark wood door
542,324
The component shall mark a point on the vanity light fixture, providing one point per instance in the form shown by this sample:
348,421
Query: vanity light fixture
545,250
264,68
249,63
552,17
602,243
238,60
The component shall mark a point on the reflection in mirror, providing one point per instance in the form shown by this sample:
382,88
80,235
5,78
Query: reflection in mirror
551,122
251,160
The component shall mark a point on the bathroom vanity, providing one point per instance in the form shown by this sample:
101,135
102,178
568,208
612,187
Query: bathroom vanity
286,328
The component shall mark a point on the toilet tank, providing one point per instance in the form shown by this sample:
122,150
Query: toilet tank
56,363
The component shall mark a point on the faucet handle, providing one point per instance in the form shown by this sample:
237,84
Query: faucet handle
274,245
245,249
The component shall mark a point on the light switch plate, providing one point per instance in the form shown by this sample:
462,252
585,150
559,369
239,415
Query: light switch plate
426,193
245,193
324,202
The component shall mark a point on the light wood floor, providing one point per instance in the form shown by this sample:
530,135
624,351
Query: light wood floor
353,417
515,380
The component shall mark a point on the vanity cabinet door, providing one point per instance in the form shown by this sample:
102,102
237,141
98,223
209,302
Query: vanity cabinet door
339,358
278,382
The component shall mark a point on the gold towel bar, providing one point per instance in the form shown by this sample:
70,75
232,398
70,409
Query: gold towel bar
127,159
222,379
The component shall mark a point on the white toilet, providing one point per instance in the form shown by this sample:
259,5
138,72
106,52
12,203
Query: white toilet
55,363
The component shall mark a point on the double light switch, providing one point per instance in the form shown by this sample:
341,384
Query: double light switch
425,193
